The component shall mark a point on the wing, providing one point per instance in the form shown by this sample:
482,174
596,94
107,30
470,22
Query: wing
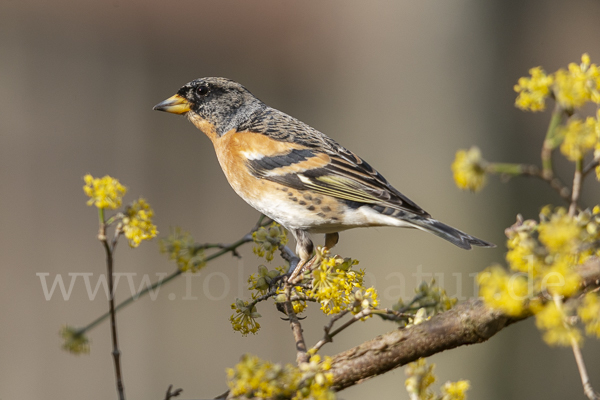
334,171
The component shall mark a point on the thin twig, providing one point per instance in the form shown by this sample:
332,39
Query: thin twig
532,171
550,142
327,338
231,248
301,354
109,249
170,394
578,176
585,379
591,166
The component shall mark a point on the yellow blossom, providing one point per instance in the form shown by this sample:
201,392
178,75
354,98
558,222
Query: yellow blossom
420,378
244,320
268,239
363,300
589,312
577,85
137,223
579,138
560,233
318,381
561,279
522,254
533,90
503,292
263,279
253,377
469,169
557,331
75,342
180,247
298,297
104,192
256,378
455,390
333,281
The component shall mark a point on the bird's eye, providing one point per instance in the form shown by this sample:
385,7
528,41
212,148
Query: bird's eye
202,90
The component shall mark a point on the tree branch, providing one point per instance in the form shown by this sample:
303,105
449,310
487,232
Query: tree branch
467,323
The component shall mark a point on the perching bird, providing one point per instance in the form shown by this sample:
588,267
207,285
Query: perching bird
295,174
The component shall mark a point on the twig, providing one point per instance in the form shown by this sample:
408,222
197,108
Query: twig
109,249
585,379
534,172
591,166
576,186
169,395
231,248
327,338
550,142
301,354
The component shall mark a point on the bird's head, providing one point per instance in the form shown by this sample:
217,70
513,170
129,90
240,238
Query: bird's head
217,104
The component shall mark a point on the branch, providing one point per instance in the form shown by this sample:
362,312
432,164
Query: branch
505,169
224,249
301,354
577,178
467,323
110,249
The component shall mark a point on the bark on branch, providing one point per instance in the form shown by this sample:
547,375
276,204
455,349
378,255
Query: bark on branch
467,323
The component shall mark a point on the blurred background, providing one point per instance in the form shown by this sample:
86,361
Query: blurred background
402,83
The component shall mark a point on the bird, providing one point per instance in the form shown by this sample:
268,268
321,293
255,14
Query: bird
293,173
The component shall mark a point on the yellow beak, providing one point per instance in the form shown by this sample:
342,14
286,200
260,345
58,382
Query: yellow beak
174,104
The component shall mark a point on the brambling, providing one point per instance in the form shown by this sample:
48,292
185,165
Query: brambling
295,174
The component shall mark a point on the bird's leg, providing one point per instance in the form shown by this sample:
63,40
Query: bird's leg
304,249
331,239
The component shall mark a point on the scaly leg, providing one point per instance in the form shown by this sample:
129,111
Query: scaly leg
304,249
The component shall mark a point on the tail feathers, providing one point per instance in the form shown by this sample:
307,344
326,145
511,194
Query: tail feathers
454,236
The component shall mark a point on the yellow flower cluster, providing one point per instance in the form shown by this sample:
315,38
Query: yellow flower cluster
298,297
455,390
268,239
553,321
469,169
318,382
533,90
180,247
503,291
334,283
580,137
74,341
363,300
256,378
263,279
104,192
244,320
420,378
571,88
429,300
137,223
544,256
589,312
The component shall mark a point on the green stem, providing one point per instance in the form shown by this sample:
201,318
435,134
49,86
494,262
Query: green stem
101,216
506,168
550,143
